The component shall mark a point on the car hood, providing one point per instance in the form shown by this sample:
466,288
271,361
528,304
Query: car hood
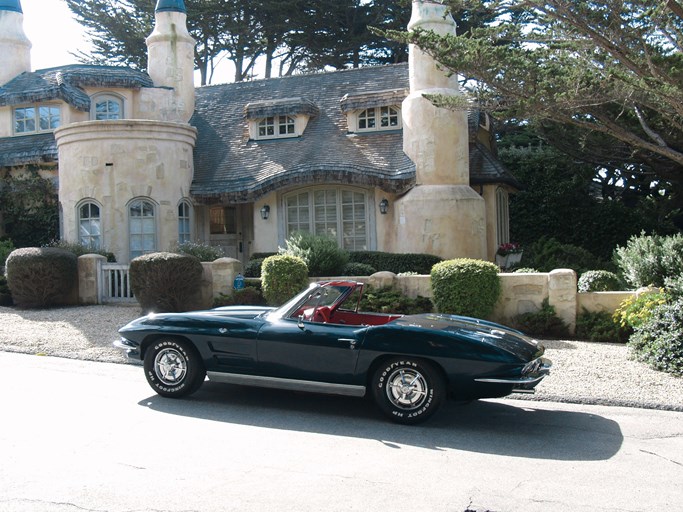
474,329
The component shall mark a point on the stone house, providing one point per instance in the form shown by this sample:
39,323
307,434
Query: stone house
145,160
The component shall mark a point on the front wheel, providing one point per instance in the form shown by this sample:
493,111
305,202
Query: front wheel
173,368
408,390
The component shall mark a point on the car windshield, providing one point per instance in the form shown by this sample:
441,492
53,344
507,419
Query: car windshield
315,296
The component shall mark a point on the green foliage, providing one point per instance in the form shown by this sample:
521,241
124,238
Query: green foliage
283,277
201,251
41,277
674,287
5,293
29,208
525,270
166,282
247,296
599,281
465,287
543,322
658,340
649,260
599,326
322,255
6,247
397,263
80,249
547,254
253,267
635,310
357,269
387,300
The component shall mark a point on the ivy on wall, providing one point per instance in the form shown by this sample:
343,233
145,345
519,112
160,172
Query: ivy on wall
29,208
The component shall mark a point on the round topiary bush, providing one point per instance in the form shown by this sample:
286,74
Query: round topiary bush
41,277
465,287
282,277
599,281
166,282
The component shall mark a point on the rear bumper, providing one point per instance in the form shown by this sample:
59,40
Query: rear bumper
131,349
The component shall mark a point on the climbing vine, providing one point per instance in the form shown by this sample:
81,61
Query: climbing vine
29,209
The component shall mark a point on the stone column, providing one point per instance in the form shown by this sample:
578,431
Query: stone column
88,278
562,295
223,273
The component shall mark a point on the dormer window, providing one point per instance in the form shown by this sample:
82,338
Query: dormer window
373,111
279,119
36,118
379,118
276,126
105,107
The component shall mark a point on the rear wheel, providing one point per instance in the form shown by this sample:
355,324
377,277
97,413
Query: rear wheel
173,368
408,390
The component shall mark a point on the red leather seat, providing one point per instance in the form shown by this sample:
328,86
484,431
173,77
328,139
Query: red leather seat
322,314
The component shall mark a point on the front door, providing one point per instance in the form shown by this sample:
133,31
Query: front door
226,230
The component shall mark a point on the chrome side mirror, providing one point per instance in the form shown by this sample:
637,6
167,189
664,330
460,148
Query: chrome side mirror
301,325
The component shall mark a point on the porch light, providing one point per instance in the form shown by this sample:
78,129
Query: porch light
383,206
265,212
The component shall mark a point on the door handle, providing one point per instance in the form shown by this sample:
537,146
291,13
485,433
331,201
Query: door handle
352,342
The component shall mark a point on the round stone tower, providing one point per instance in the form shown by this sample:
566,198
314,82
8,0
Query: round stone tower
15,48
442,214
170,55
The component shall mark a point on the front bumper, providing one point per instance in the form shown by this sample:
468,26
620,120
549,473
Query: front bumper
534,373
131,348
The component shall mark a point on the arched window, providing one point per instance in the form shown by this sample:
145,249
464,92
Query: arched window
184,232
141,227
89,225
379,118
105,107
502,217
340,213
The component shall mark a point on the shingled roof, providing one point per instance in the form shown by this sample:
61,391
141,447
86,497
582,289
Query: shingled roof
65,83
229,167
27,149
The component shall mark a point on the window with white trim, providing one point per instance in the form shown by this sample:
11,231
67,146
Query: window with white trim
36,118
89,225
142,229
184,234
379,118
276,126
502,217
339,213
105,107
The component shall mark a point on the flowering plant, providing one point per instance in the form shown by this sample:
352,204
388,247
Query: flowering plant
509,248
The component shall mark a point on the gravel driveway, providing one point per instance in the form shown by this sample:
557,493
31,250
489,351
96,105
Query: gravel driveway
583,372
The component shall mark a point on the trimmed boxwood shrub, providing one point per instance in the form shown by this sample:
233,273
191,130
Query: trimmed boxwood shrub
166,281
282,277
658,341
397,263
599,281
201,251
322,255
358,269
253,267
465,287
41,277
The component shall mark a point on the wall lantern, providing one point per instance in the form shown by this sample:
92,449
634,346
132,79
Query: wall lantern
265,212
383,206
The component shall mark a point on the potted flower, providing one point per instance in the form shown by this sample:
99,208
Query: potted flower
509,254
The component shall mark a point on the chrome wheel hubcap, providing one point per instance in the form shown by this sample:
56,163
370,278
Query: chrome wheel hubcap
406,388
170,366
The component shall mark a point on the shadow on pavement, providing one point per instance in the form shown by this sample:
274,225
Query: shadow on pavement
485,426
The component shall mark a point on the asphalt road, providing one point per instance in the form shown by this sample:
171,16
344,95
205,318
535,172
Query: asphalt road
84,436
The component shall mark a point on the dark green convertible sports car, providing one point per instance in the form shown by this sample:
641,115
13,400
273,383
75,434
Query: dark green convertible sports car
319,341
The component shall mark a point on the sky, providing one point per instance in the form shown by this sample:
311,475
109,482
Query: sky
54,33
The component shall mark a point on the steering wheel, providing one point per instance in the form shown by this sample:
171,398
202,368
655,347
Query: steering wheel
322,314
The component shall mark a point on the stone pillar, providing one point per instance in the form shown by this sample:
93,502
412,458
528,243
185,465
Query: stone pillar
88,278
223,273
562,295
15,47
